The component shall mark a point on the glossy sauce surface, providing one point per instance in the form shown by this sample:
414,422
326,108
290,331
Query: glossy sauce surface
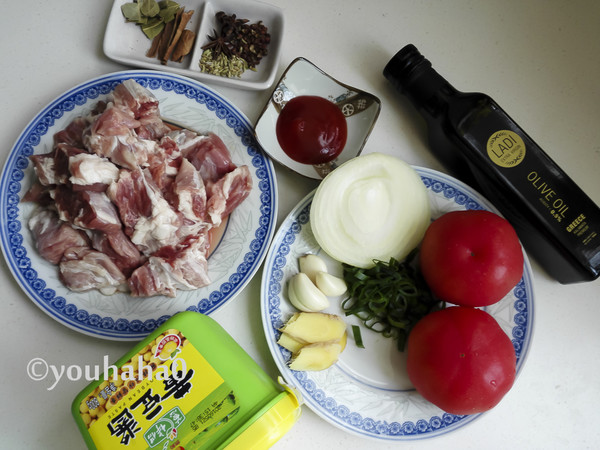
311,129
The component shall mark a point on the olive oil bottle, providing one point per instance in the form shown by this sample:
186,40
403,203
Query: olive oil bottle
478,142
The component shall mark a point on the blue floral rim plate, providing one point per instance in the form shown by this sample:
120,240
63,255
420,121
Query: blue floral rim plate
367,392
235,260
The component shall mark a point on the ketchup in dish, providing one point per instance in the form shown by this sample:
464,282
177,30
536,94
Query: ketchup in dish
311,129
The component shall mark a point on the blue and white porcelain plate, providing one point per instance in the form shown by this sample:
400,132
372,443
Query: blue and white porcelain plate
367,392
232,264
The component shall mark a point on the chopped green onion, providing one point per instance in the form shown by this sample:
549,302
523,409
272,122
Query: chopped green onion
357,336
389,297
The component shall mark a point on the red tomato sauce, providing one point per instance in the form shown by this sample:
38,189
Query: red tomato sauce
311,130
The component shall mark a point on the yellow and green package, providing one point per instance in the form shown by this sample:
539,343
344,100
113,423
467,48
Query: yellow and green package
188,385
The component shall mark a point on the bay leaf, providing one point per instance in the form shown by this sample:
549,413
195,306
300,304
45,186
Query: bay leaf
168,4
131,12
153,27
149,8
168,13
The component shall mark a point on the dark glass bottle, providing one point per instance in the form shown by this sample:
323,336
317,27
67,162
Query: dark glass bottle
479,143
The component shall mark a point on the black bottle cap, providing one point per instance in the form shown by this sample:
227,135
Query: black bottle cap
402,69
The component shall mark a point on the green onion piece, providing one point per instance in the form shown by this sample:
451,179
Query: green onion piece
389,297
357,336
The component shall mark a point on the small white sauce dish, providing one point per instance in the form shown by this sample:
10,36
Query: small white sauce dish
125,42
302,77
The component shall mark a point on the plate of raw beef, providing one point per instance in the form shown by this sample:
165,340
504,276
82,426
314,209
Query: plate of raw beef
132,197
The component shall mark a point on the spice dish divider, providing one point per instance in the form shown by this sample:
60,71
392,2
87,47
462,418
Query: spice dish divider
124,42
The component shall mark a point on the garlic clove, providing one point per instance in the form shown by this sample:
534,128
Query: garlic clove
293,297
304,295
330,285
311,264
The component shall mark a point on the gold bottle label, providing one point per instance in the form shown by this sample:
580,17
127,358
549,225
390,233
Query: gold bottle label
506,148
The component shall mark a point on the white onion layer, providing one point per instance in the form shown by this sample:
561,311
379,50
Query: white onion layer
372,207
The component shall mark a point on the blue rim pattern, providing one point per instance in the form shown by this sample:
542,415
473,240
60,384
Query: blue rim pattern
328,407
14,172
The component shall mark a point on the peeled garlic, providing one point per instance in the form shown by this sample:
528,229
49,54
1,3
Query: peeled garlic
304,295
330,285
311,264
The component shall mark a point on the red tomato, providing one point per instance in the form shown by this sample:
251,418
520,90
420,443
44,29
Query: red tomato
471,258
460,360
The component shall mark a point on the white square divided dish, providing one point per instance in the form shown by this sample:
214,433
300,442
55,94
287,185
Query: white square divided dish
126,43
302,77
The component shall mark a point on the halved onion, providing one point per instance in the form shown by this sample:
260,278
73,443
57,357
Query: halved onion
372,207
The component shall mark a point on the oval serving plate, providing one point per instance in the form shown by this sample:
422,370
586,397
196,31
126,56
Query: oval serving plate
233,262
367,392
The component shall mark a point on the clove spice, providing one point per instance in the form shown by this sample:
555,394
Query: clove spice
236,40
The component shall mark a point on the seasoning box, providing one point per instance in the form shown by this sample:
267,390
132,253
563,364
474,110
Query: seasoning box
188,385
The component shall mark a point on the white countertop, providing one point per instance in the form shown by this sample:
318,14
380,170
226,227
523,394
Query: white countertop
539,59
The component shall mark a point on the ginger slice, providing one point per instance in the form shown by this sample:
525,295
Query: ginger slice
317,356
289,343
311,327
315,339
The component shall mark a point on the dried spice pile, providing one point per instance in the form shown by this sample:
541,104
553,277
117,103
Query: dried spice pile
165,23
238,46
174,41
